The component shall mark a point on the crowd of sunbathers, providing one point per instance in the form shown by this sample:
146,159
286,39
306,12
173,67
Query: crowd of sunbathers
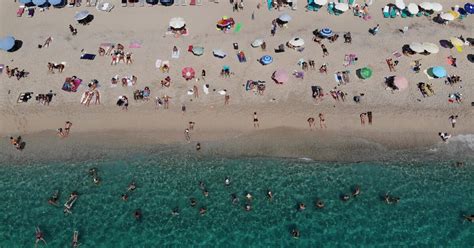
15,72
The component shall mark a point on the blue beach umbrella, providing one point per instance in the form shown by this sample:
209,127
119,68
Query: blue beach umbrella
438,71
25,1
55,2
39,2
7,43
266,59
326,32
469,8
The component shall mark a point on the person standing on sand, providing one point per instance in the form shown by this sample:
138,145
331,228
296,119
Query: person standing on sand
226,99
166,100
67,127
191,125
255,120
363,116
311,122
322,121
453,119
187,136
325,50
195,91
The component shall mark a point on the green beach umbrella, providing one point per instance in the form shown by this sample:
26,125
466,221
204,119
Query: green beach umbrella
365,72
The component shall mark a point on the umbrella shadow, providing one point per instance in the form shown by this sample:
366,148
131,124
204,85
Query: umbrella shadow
446,44
438,20
87,20
470,57
17,46
407,50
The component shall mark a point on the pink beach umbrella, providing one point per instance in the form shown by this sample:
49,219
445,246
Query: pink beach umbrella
188,73
280,76
400,82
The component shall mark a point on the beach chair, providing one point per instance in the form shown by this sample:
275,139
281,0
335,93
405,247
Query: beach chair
124,3
393,12
386,12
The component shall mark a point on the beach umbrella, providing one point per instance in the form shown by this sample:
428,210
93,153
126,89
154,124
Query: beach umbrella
436,7
437,71
413,8
166,2
342,7
81,15
426,6
321,2
55,2
430,47
447,16
417,47
284,17
456,41
188,73
326,32
454,13
7,43
266,59
39,2
400,4
219,53
25,1
257,42
400,82
365,72
280,76
296,42
177,22
198,50
469,8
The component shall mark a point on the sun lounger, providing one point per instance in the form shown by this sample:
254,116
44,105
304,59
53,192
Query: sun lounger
386,12
88,56
93,3
205,88
238,27
24,97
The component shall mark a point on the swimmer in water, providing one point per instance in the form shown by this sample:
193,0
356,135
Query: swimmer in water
75,239
269,195
301,206
39,236
249,196
132,186
175,211
234,198
124,197
202,186
92,171
137,214
319,204
198,146
469,218
295,233
227,181
356,191
202,211
248,207
53,200
205,192
96,180
345,197
193,202
390,199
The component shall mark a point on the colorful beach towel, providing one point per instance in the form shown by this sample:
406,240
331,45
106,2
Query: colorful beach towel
238,27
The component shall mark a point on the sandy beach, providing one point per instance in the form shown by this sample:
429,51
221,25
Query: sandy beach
401,120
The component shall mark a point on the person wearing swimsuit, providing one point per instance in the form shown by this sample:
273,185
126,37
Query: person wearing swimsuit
255,120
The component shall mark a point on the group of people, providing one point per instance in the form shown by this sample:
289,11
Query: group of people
322,121
65,132
18,143
15,72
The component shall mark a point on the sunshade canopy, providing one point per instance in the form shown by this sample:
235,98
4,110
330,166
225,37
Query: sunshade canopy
430,47
417,47
198,50
456,41
365,72
219,53
326,32
177,22
296,42
400,4
39,2
400,82
280,76
81,15
342,7
266,59
285,17
426,6
55,2
437,71
188,73
447,16
469,8
413,8
7,43
436,7
321,2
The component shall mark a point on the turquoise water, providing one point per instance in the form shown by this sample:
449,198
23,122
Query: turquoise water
433,196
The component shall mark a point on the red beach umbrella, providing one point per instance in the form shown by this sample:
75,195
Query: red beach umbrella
188,73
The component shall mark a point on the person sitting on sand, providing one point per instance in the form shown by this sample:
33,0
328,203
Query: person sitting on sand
60,132
39,236
322,121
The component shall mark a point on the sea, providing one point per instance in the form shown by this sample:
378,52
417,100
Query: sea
434,196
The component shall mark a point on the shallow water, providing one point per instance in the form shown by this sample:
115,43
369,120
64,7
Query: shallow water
433,196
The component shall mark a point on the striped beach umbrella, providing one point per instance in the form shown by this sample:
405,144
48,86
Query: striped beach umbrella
326,32
188,73
266,59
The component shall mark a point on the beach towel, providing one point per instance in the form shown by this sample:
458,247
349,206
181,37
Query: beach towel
238,27
158,64
88,56
175,55
222,92
397,54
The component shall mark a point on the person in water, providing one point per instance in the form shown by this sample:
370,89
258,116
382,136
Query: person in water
202,186
356,191
301,206
53,200
227,181
319,204
345,197
124,197
39,236
234,198
96,179
205,192
193,202
198,146
132,186
202,211
469,218
295,233
175,211
269,195
249,196
248,207
137,214
390,199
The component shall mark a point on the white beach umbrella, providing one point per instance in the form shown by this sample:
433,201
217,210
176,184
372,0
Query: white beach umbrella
177,22
81,15
430,47
413,8
400,4
321,2
436,7
285,17
447,16
342,7
426,6
257,43
296,42
417,47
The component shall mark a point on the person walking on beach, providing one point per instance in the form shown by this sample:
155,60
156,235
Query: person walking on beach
322,121
325,50
255,120
187,136
453,119
363,117
311,122
226,99
166,100
191,125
